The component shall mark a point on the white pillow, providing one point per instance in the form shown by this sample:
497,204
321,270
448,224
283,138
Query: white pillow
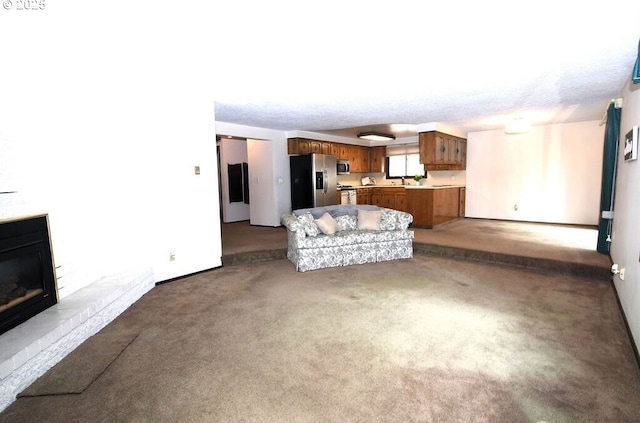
327,224
369,220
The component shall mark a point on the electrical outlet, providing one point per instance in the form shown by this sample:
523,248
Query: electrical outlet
172,255
621,275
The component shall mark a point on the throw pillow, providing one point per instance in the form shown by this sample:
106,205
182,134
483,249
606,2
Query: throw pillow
369,220
309,224
347,223
327,224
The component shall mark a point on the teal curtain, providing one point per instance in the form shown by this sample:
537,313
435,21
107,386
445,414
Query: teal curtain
609,162
635,76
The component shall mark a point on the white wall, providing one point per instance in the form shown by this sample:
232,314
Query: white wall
105,110
552,174
625,246
232,151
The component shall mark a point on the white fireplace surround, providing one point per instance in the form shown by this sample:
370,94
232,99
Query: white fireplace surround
33,347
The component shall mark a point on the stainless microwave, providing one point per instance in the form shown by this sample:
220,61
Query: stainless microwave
343,167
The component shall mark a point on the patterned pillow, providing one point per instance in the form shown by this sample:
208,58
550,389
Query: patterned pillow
347,223
309,224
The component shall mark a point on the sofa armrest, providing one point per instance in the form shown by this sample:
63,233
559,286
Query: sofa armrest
404,220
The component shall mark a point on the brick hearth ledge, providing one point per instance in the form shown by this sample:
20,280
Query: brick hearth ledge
30,349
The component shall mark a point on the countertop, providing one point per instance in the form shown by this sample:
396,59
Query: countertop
435,186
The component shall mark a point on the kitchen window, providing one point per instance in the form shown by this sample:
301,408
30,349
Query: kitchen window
404,165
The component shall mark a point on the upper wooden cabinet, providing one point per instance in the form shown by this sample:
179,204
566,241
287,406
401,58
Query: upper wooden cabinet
343,151
440,151
362,159
377,159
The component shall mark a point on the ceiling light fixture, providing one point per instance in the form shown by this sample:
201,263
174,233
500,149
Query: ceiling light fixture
376,136
517,125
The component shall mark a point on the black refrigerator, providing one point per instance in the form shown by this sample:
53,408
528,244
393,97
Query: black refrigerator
313,180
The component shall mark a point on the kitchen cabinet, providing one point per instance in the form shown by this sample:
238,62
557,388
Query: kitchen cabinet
292,145
359,157
364,196
354,158
363,156
326,147
392,198
335,149
462,204
377,159
431,207
343,150
440,151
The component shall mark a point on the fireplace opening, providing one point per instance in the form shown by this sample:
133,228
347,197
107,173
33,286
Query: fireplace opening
27,278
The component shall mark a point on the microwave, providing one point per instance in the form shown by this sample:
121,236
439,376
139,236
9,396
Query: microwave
343,167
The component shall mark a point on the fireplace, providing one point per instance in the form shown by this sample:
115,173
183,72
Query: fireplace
27,276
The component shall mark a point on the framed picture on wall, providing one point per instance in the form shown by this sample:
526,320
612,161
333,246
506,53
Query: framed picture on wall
631,145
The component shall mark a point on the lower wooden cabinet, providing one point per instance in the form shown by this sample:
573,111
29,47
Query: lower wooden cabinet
391,198
364,196
432,207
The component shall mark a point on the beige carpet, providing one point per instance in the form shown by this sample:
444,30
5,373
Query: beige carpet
86,363
426,339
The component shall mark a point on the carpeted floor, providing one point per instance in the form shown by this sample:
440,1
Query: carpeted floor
427,339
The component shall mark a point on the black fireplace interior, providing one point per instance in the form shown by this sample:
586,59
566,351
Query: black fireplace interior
27,279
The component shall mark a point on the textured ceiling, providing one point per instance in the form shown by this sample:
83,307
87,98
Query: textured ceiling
336,66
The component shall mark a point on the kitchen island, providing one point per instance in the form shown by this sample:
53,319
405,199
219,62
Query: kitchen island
430,205
433,205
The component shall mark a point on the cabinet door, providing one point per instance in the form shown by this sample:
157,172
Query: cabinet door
400,201
304,146
316,147
377,159
462,145
292,146
376,196
364,159
354,158
462,206
441,149
388,200
326,147
335,149
344,152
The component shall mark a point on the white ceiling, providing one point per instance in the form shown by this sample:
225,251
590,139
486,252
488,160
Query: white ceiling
341,67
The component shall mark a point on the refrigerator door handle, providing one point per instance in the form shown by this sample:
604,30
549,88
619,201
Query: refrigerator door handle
325,176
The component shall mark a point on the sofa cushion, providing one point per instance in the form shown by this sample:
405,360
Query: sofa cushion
327,224
309,224
369,220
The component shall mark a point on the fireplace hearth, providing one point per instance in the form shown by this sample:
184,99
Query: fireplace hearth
27,275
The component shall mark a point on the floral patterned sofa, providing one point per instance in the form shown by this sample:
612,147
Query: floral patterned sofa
343,235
